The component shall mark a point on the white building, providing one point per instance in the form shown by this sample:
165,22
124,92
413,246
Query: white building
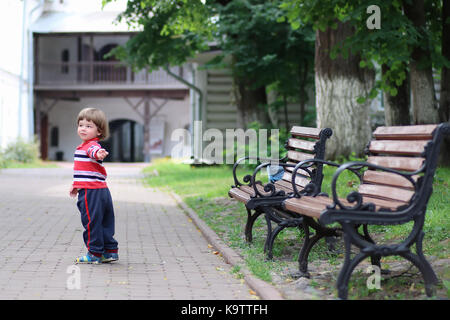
15,113
54,56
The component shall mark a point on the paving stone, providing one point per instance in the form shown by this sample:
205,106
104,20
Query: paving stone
162,253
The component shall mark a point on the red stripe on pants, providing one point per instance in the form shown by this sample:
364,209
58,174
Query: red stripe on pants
89,219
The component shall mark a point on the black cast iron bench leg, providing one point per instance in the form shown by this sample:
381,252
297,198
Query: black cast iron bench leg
251,218
309,242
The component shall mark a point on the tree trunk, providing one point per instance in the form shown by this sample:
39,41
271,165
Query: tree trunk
303,98
396,108
444,101
424,102
339,83
250,102
285,109
272,112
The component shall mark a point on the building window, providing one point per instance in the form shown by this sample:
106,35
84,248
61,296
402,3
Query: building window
65,61
54,137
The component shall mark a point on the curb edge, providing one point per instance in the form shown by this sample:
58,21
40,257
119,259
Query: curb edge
263,289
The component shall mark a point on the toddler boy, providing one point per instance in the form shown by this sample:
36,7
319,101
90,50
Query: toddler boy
89,182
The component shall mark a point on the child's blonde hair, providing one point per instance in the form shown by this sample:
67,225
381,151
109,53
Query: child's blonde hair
98,117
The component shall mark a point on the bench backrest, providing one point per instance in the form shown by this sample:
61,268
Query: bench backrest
303,144
412,149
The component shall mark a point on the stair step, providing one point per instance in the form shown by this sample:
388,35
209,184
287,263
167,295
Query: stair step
221,117
221,107
222,88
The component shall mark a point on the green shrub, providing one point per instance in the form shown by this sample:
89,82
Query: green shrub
21,151
3,161
282,137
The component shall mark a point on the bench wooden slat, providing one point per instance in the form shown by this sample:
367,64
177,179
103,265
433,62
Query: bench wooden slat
417,132
248,190
260,188
278,187
305,206
313,206
381,203
243,193
299,171
385,192
387,178
239,195
284,183
299,156
286,189
301,144
412,147
299,180
305,132
398,163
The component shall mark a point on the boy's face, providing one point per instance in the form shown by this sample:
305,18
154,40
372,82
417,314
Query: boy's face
87,130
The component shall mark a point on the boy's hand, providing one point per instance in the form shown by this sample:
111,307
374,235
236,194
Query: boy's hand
101,154
73,192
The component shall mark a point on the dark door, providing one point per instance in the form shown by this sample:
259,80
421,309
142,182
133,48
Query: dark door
125,143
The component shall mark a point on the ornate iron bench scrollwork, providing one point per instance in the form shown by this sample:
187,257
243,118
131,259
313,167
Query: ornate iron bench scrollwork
395,186
304,143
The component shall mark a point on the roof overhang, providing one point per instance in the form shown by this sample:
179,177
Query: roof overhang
91,22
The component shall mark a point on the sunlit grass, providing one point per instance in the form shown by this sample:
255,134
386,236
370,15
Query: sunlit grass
24,165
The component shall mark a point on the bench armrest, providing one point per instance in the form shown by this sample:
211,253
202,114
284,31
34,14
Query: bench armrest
363,213
247,178
269,187
311,188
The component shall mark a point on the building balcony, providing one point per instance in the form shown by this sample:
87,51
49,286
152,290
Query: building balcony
94,75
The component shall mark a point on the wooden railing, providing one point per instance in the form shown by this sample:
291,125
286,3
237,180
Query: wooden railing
100,72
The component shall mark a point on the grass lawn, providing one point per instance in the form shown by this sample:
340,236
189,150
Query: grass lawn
205,190
34,164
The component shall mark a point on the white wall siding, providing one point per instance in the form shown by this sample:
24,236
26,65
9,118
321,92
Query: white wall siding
15,117
220,113
10,128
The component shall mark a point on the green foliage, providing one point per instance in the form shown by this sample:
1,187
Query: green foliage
3,162
264,49
247,147
390,46
263,46
20,151
172,32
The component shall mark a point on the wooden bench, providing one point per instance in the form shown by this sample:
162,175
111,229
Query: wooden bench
304,143
396,183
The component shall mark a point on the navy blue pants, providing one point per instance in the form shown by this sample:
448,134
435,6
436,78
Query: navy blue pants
97,217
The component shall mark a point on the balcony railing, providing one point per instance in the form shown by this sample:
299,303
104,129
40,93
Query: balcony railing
101,73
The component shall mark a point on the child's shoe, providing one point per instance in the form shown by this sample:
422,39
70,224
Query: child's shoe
89,258
109,257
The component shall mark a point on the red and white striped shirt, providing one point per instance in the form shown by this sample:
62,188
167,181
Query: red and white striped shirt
88,171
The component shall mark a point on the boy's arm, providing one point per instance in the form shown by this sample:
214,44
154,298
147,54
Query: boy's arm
96,152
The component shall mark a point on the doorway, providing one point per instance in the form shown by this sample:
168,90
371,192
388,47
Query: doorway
125,142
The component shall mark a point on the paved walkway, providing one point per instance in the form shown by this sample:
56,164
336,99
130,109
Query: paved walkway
162,253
